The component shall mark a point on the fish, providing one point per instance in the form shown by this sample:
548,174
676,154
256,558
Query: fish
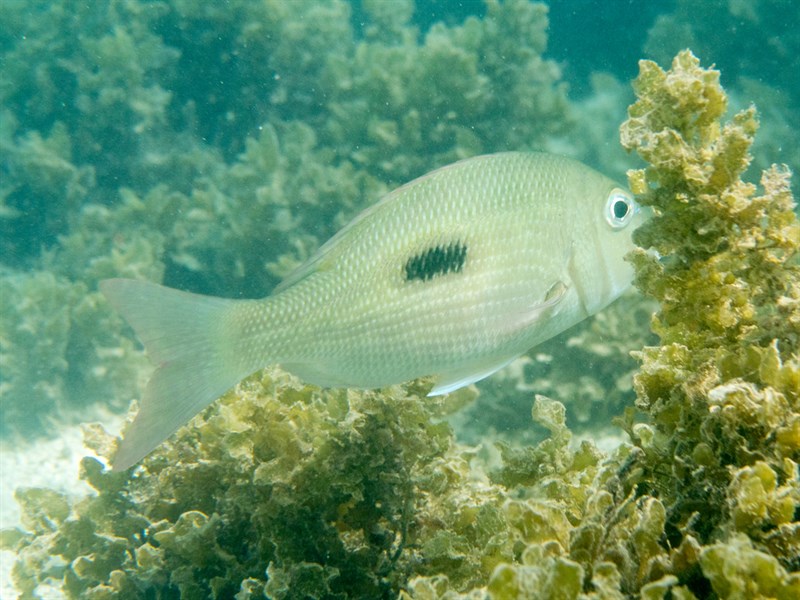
452,275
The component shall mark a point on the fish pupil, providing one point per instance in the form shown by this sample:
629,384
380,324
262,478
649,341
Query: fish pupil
620,209
439,260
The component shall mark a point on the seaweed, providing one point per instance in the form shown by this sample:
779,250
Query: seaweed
290,491
281,488
60,352
757,49
722,389
285,490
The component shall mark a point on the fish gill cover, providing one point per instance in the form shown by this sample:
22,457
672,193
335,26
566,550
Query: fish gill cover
287,490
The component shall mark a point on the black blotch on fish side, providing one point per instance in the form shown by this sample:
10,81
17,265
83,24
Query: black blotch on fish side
439,260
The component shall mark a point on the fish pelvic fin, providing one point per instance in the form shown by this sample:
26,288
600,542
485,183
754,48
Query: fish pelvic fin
185,336
450,382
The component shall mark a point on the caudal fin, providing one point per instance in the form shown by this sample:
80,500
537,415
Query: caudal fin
185,337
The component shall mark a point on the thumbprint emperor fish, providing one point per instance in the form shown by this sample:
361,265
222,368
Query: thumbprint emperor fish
454,275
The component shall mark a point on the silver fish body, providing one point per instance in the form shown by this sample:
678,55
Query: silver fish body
454,275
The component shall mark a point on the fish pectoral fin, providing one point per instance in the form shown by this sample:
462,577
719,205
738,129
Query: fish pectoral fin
525,317
531,313
450,382
514,321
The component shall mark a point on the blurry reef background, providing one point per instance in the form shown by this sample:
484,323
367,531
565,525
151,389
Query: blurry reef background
214,146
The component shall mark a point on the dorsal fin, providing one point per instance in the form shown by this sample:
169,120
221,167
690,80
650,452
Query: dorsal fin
329,249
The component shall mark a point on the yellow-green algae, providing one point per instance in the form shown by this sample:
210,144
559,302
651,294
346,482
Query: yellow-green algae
722,390
759,54
287,490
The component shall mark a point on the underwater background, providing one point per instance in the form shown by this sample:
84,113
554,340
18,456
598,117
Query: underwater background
213,146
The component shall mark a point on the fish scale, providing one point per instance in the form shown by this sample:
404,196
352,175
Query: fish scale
453,275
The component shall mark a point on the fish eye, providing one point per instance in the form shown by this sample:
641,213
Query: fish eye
620,208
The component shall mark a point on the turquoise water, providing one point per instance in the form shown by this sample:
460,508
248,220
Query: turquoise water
214,146
214,149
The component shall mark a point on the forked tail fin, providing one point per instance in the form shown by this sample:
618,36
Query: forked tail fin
185,336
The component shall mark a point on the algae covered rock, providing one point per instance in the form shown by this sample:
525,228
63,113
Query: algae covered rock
317,486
